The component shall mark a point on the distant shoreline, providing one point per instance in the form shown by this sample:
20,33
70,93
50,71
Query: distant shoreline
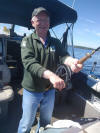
82,47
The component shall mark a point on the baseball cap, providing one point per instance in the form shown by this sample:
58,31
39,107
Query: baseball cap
36,11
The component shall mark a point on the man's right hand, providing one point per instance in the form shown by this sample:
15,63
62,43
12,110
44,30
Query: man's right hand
55,80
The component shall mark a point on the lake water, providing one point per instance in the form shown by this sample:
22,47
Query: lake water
79,53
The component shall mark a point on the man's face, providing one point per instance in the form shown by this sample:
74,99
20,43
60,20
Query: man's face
41,23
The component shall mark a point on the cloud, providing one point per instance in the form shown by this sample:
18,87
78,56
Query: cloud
92,32
87,20
90,21
98,34
87,30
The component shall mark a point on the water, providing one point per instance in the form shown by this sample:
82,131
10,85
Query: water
88,64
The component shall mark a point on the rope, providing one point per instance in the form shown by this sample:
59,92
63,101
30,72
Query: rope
71,34
54,33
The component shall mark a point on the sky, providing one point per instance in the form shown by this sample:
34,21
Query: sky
87,27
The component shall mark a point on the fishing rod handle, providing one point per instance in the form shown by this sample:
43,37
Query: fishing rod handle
82,60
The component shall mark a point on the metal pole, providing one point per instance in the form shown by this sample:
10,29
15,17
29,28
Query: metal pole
73,3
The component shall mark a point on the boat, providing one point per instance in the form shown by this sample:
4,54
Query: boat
80,102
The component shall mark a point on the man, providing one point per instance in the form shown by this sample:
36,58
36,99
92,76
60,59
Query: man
40,55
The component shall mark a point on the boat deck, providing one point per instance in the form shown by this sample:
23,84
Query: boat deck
64,109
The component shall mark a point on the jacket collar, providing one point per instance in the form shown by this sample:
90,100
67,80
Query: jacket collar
36,37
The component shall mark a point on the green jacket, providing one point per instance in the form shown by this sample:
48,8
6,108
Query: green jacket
36,59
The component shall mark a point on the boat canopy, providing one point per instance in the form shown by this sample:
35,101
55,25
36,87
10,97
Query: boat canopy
19,12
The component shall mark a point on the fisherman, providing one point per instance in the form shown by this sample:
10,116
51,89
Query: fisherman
40,55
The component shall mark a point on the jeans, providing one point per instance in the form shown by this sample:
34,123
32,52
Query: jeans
31,102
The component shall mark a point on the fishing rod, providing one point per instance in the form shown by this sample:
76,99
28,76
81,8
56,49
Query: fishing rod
88,55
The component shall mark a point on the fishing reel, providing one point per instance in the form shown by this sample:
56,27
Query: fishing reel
65,73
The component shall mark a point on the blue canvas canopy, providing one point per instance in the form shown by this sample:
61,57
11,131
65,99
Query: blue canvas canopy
19,12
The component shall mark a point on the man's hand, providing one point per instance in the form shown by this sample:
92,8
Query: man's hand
55,80
73,64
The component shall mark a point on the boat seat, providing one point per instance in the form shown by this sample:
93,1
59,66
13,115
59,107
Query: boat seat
6,95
